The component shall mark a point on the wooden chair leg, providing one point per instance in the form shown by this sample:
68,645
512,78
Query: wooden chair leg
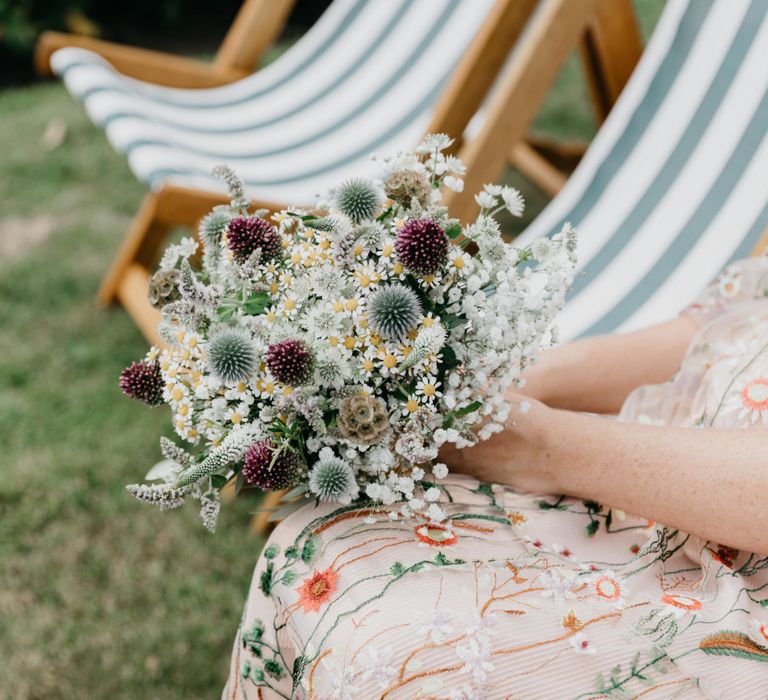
610,50
762,246
140,245
541,172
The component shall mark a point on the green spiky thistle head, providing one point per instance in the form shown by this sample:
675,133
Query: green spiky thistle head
332,480
231,355
358,199
393,311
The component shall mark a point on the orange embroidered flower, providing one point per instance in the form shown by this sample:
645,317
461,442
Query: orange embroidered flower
754,399
759,631
681,604
517,518
608,588
316,590
435,535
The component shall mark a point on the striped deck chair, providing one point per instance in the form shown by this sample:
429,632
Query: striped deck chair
675,185
257,25
369,76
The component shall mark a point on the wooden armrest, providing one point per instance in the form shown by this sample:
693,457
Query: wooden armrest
144,64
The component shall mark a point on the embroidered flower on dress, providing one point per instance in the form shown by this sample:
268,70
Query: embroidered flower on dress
581,644
759,631
376,665
435,535
436,624
610,588
754,400
681,604
316,590
564,552
558,585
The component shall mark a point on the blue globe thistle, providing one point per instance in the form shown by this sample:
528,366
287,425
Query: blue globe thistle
393,311
231,355
358,199
333,480
212,227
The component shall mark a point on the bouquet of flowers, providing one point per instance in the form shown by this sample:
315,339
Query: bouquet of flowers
331,352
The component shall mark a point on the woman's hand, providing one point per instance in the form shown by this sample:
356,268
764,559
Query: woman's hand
517,456
709,483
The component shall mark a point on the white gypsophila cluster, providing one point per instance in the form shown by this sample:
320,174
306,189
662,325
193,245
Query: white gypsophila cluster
361,402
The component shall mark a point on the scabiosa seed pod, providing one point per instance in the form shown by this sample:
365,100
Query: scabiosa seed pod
363,419
333,480
247,233
290,361
358,199
393,311
231,355
422,246
163,288
403,186
143,381
269,471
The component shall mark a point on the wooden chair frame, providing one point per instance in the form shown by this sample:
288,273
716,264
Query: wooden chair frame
255,28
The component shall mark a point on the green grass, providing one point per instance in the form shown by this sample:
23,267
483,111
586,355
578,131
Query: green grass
101,597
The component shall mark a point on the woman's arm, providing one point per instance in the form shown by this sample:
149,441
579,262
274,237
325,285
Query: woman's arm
707,482
596,374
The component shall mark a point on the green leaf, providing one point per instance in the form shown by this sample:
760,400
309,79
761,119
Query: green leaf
397,569
218,481
274,668
449,360
271,551
453,231
256,304
299,664
728,643
451,321
291,553
469,409
265,581
441,559
309,550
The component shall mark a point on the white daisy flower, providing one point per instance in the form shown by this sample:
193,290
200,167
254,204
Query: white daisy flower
581,644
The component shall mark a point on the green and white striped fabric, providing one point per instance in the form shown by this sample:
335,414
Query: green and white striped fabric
675,185
365,78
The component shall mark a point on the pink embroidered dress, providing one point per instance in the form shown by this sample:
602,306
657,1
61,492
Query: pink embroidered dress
525,596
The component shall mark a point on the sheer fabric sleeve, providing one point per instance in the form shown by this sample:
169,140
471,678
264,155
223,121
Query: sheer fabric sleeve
742,281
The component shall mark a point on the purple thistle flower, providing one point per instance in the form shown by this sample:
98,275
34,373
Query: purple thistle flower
422,246
261,471
247,233
144,382
289,361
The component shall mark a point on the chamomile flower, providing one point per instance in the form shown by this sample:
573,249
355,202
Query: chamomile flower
427,389
410,405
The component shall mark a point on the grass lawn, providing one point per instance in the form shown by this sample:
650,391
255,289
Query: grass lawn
101,597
